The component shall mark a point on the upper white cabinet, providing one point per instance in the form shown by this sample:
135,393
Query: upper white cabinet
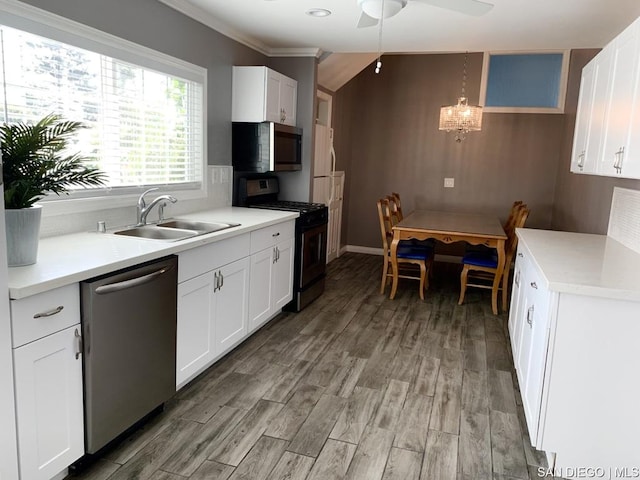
607,132
261,94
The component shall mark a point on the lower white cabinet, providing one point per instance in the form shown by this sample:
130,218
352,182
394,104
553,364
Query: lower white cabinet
47,362
212,317
575,352
49,409
271,283
529,325
195,340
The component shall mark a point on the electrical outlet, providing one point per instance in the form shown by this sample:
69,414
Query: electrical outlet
448,183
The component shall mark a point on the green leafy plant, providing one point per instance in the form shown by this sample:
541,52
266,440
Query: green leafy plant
35,163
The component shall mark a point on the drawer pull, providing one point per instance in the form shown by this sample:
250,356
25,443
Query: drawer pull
520,254
277,234
530,316
534,285
49,313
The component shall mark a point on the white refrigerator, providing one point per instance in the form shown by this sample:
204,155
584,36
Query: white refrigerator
328,187
8,449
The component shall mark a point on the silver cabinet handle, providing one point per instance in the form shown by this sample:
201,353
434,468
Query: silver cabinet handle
517,279
277,254
216,282
520,254
530,316
619,156
277,234
534,285
221,280
78,344
581,160
49,313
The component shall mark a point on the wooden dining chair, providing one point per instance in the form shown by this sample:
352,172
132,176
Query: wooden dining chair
396,206
410,256
480,267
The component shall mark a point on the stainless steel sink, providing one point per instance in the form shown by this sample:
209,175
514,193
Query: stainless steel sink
174,230
155,232
200,227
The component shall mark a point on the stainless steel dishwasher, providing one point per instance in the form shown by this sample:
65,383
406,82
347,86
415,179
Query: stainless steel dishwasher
129,334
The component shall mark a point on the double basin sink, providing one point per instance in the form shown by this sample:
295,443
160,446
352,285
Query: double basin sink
174,230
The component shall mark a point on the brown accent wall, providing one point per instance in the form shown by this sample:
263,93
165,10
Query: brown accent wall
582,202
387,139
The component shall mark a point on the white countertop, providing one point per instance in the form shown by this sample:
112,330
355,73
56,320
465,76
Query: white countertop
72,258
584,264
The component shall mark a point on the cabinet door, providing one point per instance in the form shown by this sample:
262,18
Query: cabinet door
288,100
580,163
260,297
516,310
48,381
533,351
620,102
195,335
231,304
282,280
272,106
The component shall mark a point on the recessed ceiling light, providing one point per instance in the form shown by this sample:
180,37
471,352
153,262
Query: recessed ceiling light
318,12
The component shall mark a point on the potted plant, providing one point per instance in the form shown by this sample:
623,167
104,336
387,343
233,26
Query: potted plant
35,163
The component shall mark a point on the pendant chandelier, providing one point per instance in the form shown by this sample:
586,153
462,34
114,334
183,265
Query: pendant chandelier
461,118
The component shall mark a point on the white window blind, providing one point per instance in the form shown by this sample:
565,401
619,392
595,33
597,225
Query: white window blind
144,127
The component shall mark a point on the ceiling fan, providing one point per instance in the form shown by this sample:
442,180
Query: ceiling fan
372,10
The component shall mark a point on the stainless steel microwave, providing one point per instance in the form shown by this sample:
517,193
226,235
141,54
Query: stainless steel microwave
266,147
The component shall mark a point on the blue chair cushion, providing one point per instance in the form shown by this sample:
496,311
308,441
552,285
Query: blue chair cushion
414,252
481,259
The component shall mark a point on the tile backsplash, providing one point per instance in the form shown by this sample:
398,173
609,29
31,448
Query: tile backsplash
219,194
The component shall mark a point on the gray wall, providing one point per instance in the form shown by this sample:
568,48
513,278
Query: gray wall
387,139
154,25
582,202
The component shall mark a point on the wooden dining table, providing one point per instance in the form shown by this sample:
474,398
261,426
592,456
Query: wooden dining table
449,227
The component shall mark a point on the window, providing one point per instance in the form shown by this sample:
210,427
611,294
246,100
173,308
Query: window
532,82
144,112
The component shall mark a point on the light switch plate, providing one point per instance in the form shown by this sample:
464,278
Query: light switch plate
448,183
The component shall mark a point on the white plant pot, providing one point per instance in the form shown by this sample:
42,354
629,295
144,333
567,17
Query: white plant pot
23,232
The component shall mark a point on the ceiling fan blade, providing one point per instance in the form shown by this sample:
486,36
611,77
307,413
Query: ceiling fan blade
470,7
366,21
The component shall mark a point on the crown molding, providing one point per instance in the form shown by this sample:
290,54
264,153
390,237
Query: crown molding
204,17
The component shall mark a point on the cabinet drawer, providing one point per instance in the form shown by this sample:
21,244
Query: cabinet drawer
269,236
197,261
43,314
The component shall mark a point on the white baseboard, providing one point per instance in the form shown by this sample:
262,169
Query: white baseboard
379,251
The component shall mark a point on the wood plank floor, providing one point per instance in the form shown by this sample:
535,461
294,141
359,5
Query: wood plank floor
356,386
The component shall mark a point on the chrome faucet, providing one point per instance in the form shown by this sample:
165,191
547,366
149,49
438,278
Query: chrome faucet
143,209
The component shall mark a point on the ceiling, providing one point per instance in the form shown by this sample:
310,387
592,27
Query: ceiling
281,27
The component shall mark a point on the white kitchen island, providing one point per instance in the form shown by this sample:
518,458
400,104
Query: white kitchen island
574,326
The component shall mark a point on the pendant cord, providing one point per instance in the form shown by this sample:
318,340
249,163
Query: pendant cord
464,74
379,62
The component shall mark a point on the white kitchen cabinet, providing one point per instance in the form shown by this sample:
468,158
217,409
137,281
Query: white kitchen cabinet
47,361
261,94
529,327
574,347
231,288
195,334
607,131
271,283
212,306
590,115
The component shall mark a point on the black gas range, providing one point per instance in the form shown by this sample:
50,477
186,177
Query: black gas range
310,257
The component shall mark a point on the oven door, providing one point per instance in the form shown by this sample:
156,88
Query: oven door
313,254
